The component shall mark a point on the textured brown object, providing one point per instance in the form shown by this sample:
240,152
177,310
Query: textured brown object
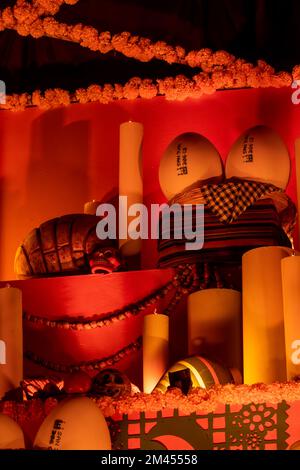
111,383
66,245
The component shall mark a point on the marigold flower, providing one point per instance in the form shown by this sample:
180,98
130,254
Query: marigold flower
148,89
296,72
218,70
131,88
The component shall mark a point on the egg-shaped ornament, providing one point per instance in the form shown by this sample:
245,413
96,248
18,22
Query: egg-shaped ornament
74,424
259,154
11,435
204,373
190,157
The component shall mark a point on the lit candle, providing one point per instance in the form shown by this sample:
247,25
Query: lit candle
11,339
215,325
297,158
130,181
155,349
90,207
263,322
290,268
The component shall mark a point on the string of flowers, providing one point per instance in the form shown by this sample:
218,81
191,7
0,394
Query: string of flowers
87,365
218,70
184,281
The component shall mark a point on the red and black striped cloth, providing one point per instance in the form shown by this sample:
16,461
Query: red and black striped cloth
258,225
238,215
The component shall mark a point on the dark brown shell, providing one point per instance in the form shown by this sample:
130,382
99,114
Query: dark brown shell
60,245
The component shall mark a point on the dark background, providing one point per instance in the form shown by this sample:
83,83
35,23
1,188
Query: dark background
251,29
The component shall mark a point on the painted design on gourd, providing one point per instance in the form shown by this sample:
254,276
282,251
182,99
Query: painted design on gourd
66,245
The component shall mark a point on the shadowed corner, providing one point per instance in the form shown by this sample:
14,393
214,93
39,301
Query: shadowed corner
58,166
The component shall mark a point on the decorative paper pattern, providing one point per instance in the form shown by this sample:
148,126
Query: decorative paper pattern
232,427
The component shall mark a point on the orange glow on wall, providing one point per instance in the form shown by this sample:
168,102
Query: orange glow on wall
52,162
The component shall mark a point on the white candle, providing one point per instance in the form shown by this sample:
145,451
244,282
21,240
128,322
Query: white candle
130,178
215,325
290,268
263,322
155,349
11,339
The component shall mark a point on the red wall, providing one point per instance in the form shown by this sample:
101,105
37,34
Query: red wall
52,162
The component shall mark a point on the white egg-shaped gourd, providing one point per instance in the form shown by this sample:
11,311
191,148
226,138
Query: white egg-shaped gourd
190,157
259,154
74,424
11,435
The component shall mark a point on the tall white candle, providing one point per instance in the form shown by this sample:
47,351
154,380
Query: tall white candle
130,178
215,325
155,349
11,339
263,322
290,268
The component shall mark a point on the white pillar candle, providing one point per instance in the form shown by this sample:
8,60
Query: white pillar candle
155,349
90,207
11,339
263,323
130,180
290,268
215,325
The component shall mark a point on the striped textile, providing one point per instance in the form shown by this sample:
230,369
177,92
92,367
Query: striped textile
258,225
229,199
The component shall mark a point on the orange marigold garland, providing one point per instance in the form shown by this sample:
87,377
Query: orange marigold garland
218,70
172,88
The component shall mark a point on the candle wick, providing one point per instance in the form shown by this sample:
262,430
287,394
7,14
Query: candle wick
155,312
